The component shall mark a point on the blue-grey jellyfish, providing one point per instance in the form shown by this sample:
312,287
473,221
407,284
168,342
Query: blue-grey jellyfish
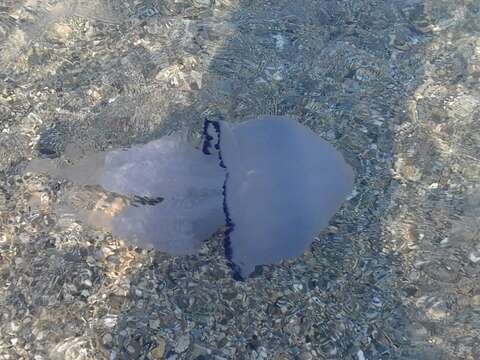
271,182
283,184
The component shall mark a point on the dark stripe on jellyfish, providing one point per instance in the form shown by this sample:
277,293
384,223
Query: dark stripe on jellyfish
207,139
230,226
227,242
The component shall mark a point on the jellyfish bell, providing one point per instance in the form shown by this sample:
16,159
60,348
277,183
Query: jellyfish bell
283,184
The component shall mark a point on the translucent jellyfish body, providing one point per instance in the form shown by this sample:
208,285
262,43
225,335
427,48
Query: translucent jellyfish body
283,184
272,182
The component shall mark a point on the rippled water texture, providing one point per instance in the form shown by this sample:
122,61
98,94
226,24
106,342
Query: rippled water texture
393,85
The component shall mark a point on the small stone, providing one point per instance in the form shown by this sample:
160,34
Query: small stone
377,302
475,301
182,344
280,41
277,76
297,287
199,352
24,238
306,355
107,339
110,321
399,42
61,32
437,311
410,290
263,354
159,350
474,257
360,355
154,324
134,349
202,3
433,185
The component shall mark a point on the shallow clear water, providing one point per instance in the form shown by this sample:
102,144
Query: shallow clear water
392,84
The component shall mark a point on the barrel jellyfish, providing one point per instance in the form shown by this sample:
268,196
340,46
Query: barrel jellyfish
272,184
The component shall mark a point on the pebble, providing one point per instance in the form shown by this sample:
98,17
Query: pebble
110,321
159,350
107,339
474,257
61,32
306,355
24,238
202,3
182,344
280,41
154,324
360,355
